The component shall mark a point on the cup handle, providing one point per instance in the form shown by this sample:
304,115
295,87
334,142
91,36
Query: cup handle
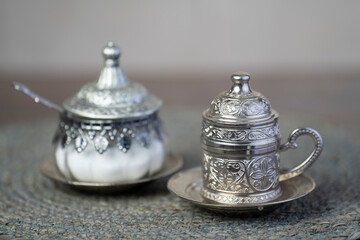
291,143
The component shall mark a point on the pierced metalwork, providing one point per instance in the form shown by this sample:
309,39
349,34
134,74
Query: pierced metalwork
104,134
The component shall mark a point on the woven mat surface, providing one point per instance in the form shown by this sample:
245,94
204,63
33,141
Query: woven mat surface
32,207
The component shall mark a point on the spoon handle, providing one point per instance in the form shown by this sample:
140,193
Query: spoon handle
22,88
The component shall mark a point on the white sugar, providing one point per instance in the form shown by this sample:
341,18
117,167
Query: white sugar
111,166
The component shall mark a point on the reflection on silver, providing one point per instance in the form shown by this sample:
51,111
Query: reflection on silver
171,165
24,89
113,96
112,113
241,144
83,133
188,186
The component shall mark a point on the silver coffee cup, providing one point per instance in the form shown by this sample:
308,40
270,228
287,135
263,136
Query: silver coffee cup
241,147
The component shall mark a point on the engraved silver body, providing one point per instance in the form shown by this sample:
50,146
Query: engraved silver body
241,145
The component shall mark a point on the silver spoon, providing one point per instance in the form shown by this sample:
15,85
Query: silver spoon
22,88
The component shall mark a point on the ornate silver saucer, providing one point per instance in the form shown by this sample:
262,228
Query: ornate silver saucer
187,185
48,168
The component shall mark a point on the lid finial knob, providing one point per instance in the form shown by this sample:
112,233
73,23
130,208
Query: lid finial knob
241,83
112,76
111,54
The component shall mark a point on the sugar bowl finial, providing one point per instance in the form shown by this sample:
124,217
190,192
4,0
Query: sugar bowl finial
241,83
112,76
111,54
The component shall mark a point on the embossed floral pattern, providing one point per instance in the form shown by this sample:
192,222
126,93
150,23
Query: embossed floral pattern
236,199
234,107
263,173
248,175
227,175
229,134
251,108
230,107
128,101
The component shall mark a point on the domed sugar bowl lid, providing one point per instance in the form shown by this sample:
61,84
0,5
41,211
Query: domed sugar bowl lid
113,96
240,105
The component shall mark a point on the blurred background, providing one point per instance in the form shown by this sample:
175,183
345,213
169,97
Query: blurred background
304,56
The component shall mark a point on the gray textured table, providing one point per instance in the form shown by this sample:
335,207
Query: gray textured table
32,207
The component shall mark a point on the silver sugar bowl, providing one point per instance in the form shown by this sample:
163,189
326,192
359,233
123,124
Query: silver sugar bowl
110,130
241,144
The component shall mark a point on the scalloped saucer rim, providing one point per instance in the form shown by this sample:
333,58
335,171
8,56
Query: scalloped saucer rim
48,169
187,185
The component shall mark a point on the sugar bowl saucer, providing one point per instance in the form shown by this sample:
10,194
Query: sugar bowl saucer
187,185
48,168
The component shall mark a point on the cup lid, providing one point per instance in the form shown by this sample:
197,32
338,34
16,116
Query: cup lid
240,105
113,96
